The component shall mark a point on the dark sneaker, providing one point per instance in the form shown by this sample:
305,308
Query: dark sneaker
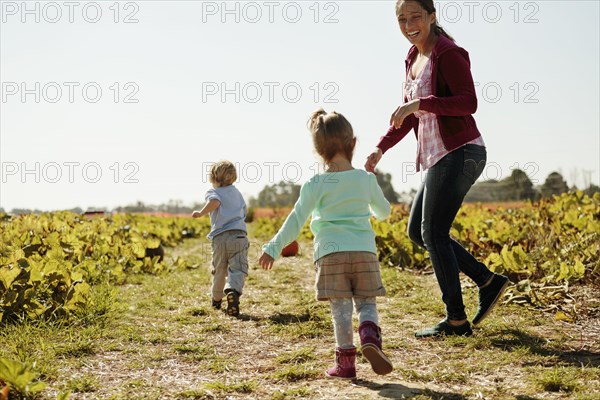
489,296
217,304
445,328
233,303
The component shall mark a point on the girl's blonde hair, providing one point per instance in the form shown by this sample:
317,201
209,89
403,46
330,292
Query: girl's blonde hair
332,134
222,173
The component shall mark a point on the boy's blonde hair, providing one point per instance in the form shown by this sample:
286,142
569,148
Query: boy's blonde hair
332,134
222,173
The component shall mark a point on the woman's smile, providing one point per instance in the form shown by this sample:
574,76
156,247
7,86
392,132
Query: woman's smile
413,35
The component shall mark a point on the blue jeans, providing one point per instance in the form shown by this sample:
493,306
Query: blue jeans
435,206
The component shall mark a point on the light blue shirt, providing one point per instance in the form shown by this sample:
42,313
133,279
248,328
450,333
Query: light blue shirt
230,215
341,204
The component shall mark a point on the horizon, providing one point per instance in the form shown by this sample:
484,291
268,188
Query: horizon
179,203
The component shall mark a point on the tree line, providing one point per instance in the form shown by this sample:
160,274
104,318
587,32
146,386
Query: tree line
516,187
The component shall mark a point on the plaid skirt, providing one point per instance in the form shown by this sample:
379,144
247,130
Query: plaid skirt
348,274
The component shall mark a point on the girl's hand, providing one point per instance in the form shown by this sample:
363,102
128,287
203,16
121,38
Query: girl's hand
404,111
266,261
373,159
196,214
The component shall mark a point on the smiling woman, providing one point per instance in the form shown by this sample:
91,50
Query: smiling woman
416,20
439,100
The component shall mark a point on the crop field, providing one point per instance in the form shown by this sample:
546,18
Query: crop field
117,307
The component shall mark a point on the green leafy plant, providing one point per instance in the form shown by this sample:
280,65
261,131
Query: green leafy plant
555,240
49,262
20,377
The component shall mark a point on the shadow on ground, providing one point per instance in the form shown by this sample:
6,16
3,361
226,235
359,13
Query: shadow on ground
286,318
510,339
398,391
247,317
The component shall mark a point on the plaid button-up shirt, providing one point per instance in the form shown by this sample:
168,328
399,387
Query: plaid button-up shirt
430,147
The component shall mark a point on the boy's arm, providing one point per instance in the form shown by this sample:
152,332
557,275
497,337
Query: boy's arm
379,204
209,207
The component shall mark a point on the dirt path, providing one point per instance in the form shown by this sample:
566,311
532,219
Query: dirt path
168,343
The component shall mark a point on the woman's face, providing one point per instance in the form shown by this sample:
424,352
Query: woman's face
415,22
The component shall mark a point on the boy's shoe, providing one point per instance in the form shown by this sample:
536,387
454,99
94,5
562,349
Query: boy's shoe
233,303
489,296
216,304
344,367
445,328
370,346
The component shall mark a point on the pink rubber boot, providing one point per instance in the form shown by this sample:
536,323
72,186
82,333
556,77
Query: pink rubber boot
370,346
344,364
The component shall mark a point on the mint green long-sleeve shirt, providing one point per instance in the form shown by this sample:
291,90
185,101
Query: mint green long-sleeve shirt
341,205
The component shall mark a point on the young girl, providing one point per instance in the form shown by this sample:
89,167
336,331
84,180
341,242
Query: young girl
341,201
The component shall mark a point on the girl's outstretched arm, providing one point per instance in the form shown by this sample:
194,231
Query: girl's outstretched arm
293,224
266,261
379,205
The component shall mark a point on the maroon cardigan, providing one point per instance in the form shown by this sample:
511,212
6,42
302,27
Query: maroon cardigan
453,101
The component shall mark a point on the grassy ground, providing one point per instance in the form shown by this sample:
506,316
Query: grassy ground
158,338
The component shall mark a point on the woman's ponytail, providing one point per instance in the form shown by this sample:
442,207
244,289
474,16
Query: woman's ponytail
440,31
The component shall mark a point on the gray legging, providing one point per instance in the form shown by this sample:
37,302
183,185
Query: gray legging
341,313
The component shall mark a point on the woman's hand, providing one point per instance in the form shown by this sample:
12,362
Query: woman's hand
404,111
373,159
266,261
196,214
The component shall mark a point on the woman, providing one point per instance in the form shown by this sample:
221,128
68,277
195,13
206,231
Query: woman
439,100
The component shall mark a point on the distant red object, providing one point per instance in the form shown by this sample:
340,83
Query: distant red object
4,392
290,250
92,214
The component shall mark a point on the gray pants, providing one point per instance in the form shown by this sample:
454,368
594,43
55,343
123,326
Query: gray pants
229,262
341,312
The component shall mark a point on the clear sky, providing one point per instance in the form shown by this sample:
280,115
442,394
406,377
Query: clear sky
107,103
